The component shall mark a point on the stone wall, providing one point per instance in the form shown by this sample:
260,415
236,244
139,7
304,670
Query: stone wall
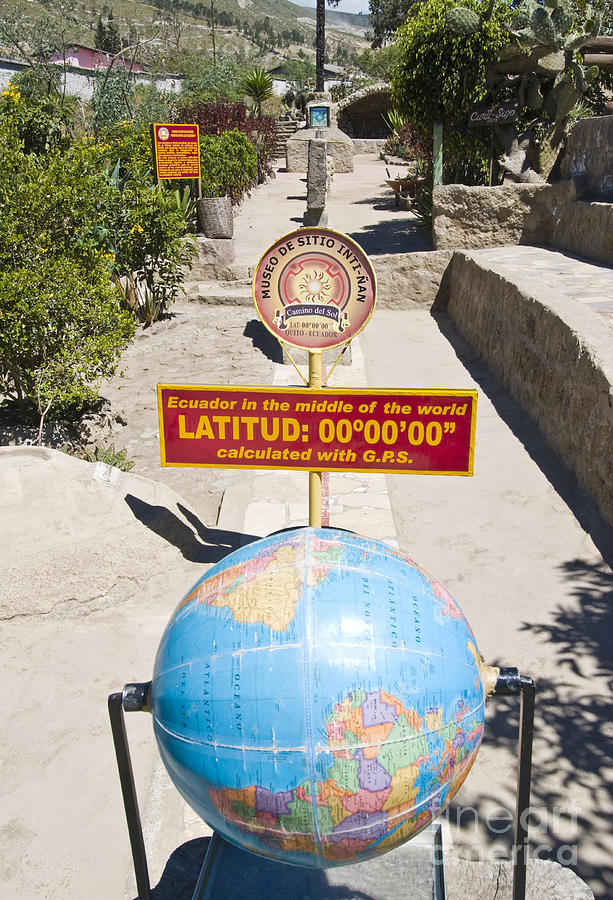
588,158
360,115
549,215
474,217
552,354
368,145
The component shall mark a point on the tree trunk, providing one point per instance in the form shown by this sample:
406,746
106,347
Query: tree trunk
320,43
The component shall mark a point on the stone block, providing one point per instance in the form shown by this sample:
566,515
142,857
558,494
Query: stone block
317,174
315,217
474,217
217,250
340,147
550,215
329,357
545,880
369,145
409,280
588,157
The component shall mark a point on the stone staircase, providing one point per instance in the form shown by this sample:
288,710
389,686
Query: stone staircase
285,129
235,292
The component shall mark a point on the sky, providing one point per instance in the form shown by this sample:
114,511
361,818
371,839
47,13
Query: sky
350,6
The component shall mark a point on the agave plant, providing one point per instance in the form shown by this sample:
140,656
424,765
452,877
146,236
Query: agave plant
110,456
395,121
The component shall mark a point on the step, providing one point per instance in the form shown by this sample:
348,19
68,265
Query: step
226,293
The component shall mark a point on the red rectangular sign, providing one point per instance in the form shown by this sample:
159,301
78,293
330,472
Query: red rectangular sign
350,430
177,151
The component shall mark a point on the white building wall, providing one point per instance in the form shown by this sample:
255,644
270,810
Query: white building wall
80,82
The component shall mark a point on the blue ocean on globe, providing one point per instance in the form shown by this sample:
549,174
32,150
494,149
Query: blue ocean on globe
318,697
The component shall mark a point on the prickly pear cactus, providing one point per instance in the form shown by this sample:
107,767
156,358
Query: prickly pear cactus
462,21
553,81
542,27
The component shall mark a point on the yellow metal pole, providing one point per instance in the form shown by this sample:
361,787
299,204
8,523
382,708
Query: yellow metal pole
315,378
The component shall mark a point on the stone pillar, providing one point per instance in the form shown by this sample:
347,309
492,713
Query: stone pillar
317,184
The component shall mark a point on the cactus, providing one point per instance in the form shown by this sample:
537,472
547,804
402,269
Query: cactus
462,21
567,97
562,22
542,27
533,94
551,63
550,80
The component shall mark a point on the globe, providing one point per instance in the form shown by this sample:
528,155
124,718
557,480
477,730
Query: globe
318,697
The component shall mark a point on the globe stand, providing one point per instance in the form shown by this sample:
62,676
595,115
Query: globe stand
137,697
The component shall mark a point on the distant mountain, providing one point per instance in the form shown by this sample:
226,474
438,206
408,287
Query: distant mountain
271,28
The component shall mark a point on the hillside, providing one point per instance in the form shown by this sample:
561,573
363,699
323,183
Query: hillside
166,29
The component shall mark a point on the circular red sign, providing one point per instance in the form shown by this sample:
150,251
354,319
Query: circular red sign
314,288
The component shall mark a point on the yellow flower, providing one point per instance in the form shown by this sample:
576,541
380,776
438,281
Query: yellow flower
136,228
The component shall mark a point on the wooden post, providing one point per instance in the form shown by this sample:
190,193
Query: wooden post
437,153
315,478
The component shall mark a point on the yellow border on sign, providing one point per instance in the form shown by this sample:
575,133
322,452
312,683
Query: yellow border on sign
309,392
337,234
159,177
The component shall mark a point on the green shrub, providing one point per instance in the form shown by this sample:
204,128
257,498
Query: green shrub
56,203
216,118
61,331
229,164
111,99
42,121
150,249
129,144
438,74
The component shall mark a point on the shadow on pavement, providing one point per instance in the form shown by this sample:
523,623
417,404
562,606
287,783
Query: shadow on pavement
197,544
263,340
526,430
574,712
245,876
395,236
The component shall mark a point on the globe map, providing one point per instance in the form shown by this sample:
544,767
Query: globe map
318,697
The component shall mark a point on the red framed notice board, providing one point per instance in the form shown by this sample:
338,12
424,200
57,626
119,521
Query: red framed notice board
348,430
176,150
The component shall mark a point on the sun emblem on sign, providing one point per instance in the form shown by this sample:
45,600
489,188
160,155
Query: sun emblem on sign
315,287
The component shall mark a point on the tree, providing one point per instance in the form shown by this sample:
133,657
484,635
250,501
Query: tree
300,72
107,34
378,63
113,40
440,74
100,38
386,17
320,41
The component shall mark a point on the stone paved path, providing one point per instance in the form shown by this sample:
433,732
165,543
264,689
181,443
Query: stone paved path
587,282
